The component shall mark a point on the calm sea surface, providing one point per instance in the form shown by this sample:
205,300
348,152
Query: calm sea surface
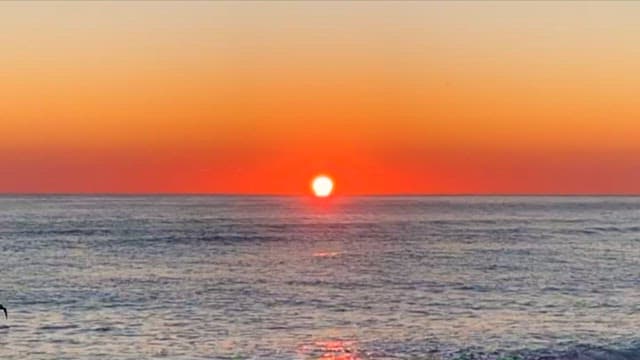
199,277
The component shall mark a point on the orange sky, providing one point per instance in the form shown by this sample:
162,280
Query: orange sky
257,97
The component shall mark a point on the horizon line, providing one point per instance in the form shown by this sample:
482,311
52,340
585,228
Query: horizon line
213,194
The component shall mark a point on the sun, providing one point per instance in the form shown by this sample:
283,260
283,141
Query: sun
322,186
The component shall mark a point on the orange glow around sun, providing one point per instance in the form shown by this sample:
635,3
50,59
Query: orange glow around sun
387,98
322,186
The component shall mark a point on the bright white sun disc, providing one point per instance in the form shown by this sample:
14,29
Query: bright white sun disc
322,186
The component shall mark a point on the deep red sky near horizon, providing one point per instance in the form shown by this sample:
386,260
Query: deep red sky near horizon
258,97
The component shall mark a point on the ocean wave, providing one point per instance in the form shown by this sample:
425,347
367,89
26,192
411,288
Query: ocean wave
628,351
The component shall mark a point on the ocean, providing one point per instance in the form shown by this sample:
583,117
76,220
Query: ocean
259,277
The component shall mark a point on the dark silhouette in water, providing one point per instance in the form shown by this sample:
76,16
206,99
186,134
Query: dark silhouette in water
5,311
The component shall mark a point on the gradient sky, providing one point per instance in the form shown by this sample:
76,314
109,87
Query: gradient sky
257,97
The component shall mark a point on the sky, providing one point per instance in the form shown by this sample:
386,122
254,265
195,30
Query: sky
420,97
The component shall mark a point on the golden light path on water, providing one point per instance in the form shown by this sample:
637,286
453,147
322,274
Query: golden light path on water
331,350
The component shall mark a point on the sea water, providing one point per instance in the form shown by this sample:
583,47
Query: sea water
256,277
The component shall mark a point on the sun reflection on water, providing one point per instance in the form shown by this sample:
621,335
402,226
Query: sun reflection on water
331,350
326,254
